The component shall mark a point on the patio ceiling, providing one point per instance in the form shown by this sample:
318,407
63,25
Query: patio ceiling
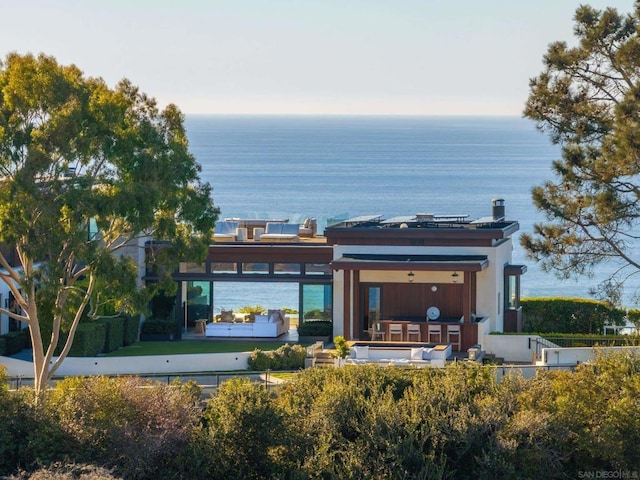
428,263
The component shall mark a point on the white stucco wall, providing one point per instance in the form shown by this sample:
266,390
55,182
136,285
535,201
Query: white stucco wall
152,364
490,282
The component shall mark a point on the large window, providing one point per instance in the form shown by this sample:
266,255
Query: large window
198,301
317,302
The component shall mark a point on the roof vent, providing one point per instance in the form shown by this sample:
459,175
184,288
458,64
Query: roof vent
497,209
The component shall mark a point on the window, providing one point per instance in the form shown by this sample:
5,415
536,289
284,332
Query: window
255,268
317,269
224,267
190,267
286,268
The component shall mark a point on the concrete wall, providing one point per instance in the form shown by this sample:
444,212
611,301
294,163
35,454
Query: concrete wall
513,348
197,363
577,355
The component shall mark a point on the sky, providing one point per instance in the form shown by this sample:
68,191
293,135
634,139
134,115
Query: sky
391,57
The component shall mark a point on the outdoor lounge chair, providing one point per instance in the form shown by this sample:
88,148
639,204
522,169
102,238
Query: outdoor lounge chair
225,231
281,232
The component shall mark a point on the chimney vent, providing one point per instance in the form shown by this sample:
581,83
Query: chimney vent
497,209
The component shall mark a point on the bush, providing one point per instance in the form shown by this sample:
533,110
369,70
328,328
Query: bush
88,341
13,342
317,328
131,327
156,325
129,424
286,357
568,315
114,333
317,313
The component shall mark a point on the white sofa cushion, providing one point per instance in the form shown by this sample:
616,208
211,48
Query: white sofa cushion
417,353
361,352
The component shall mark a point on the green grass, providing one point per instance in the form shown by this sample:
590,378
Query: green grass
188,347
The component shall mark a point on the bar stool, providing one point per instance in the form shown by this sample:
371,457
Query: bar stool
377,331
396,329
435,331
413,330
453,336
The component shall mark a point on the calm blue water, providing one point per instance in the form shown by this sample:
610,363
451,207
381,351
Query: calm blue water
335,166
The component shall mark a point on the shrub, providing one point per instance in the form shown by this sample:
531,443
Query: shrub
317,328
246,429
88,341
126,423
131,327
318,314
286,357
114,333
13,342
568,315
156,325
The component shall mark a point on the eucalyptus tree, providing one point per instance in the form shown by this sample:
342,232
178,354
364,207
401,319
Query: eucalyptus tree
587,99
85,172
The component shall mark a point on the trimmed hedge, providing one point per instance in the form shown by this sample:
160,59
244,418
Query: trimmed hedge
131,327
156,325
568,315
13,342
317,328
114,333
89,340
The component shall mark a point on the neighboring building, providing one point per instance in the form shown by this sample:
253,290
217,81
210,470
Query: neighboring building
371,269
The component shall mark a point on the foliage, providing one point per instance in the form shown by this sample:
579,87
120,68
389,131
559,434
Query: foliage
568,315
88,170
131,328
317,313
157,325
353,422
286,357
89,340
633,315
341,345
114,333
124,424
68,472
319,328
162,304
587,98
246,431
13,342
258,309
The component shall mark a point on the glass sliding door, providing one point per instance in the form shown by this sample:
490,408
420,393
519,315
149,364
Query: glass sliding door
371,307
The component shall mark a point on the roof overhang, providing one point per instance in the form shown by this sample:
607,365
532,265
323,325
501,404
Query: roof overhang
419,263
515,269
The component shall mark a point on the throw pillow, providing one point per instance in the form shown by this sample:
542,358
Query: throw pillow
416,353
362,353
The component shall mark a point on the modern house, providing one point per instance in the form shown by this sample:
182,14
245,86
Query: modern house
427,270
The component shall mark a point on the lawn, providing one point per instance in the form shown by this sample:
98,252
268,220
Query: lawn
187,347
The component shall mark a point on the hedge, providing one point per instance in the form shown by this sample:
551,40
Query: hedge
89,340
155,325
131,327
316,328
114,333
568,315
13,342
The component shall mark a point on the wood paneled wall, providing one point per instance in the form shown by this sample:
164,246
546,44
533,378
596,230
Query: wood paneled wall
412,300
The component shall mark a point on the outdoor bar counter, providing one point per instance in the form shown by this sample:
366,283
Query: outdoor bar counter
468,330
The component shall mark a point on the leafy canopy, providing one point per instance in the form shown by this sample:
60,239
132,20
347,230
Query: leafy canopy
588,100
87,175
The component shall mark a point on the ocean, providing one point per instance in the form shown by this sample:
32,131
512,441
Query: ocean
343,166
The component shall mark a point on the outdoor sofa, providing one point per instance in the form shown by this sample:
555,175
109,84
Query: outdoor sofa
272,325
